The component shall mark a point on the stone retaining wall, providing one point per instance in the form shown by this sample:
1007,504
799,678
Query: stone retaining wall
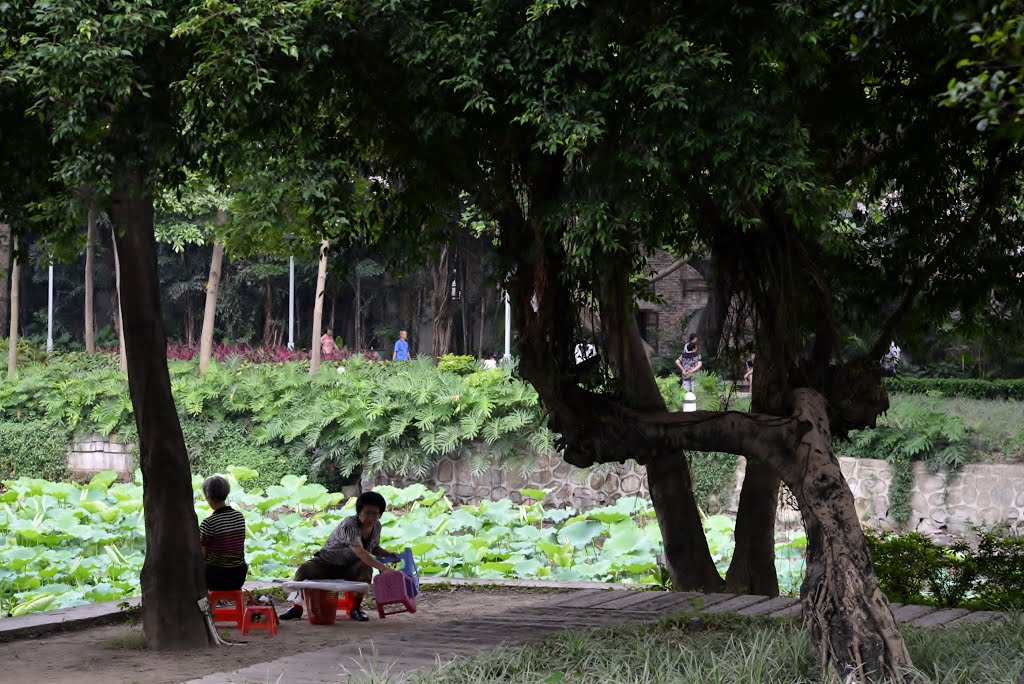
91,454
979,495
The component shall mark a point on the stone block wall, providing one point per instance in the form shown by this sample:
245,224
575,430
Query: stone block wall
91,454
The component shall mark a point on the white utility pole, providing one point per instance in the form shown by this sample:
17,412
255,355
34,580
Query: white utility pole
508,328
291,303
49,314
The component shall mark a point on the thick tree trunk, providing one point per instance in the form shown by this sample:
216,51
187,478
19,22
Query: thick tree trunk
5,259
12,339
90,323
172,579
686,547
210,311
850,618
752,568
318,309
441,303
712,320
120,309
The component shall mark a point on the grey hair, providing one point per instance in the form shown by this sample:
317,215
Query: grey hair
216,488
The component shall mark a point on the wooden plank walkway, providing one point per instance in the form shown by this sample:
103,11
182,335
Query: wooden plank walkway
427,646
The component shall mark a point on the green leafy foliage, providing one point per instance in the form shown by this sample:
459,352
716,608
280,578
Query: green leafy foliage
454,363
68,544
973,388
270,417
34,448
914,431
988,575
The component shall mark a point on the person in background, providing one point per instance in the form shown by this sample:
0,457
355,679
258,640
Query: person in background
222,536
401,352
748,377
491,362
327,344
348,554
689,362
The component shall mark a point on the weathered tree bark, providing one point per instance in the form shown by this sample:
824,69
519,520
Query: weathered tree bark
483,321
712,320
172,580
5,259
210,311
120,315
850,618
90,323
318,309
441,303
12,338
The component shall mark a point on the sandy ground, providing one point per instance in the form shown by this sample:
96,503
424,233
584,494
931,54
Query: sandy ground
112,654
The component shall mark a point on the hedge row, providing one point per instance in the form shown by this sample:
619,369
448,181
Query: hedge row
970,388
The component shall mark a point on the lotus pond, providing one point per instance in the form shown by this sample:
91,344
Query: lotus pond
64,544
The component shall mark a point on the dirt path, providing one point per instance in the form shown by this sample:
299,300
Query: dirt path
111,654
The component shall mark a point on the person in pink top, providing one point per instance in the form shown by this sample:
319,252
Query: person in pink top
327,345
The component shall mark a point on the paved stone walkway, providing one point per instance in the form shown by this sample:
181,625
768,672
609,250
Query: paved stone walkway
420,647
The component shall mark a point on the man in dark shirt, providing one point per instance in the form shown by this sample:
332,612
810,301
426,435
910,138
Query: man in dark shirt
349,553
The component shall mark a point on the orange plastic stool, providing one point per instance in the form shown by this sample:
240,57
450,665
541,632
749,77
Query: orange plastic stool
234,613
267,619
346,601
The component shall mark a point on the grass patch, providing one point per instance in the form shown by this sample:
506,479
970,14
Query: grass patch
997,424
729,650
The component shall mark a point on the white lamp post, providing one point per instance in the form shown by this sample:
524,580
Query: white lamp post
49,314
508,329
291,303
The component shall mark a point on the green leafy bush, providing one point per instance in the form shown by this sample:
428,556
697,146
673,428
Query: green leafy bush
453,363
909,432
973,388
34,448
913,569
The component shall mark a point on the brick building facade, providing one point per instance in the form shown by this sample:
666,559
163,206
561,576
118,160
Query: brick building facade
665,324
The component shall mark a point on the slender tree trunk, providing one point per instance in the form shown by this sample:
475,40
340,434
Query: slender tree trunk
268,313
172,579
190,321
5,259
359,314
483,320
120,315
849,617
318,309
463,307
90,324
441,300
212,288
12,339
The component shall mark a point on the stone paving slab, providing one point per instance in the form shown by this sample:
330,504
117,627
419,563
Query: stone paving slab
976,617
940,617
910,613
772,605
735,604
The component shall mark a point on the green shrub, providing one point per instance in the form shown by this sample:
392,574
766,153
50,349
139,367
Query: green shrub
913,569
913,431
972,388
714,478
34,448
453,363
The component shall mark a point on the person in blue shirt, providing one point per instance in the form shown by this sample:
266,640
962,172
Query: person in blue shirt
401,352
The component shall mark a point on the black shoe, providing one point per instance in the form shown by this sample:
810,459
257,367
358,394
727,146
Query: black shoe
357,614
292,613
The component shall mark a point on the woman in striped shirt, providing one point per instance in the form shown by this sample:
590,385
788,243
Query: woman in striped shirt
223,538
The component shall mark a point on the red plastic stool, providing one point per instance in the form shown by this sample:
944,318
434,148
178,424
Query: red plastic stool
234,613
267,619
346,601
391,588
